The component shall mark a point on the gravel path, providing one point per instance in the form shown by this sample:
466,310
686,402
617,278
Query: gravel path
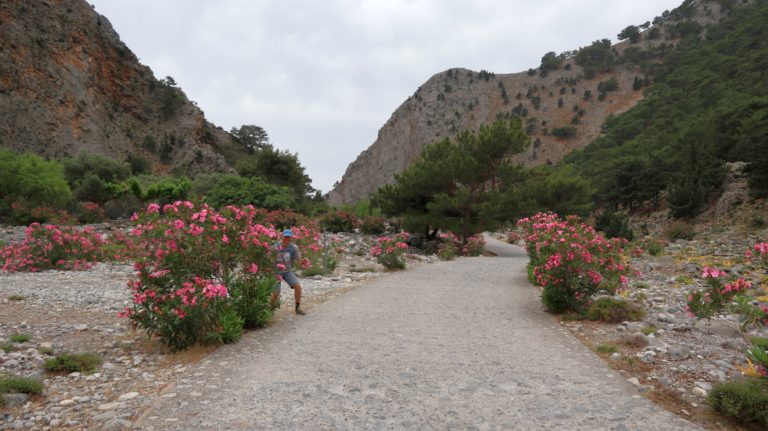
453,345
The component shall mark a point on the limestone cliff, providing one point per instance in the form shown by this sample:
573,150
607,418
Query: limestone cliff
68,84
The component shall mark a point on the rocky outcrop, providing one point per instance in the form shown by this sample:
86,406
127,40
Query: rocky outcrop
68,84
459,99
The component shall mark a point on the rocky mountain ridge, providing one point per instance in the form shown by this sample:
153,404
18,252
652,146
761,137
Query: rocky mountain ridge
68,84
562,109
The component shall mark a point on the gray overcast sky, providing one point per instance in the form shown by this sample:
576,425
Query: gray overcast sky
321,77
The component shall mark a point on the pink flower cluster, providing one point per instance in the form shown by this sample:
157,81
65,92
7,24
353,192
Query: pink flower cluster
573,258
389,250
53,247
198,263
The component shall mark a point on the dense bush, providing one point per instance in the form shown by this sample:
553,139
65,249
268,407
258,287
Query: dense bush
373,225
744,400
613,311
233,190
339,221
20,385
200,263
78,362
53,247
614,224
390,250
680,230
31,182
572,261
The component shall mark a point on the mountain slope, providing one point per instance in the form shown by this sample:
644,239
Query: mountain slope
69,85
563,108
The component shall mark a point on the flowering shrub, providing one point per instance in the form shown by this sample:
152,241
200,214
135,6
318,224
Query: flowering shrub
23,214
734,295
390,250
90,212
447,250
339,221
708,302
572,261
474,245
759,254
53,247
205,275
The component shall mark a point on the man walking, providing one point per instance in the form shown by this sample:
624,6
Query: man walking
287,255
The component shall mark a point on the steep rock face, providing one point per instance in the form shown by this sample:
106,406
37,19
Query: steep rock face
459,99
69,85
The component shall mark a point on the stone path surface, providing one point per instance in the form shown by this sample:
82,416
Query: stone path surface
454,345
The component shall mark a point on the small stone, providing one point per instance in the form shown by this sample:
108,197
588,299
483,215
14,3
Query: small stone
66,403
103,417
700,392
116,425
195,394
616,356
81,327
15,400
109,406
634,381
55,423
128,396
703,385
679,352
666,317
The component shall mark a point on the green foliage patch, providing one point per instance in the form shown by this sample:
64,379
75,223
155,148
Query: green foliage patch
613,311
77,362
743,400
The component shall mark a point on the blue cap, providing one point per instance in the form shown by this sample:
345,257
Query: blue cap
287,232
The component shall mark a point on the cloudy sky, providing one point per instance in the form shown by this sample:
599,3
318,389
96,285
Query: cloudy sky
321,77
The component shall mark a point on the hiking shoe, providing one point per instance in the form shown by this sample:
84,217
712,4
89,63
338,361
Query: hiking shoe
299,311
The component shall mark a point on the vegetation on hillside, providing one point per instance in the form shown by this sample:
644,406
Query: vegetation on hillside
708,105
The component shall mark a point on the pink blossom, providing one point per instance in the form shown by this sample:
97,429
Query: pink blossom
710,272
253,268
153,208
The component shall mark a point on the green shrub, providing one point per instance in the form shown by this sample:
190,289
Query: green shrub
680,230
20,338
555,300
231,327
447,250
761,342
14,297
339,221
250,299
613,311
78,362
373,225
29,180
6,347
651,246
648,330
743,400
614,224
606,348
20,385
233,190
